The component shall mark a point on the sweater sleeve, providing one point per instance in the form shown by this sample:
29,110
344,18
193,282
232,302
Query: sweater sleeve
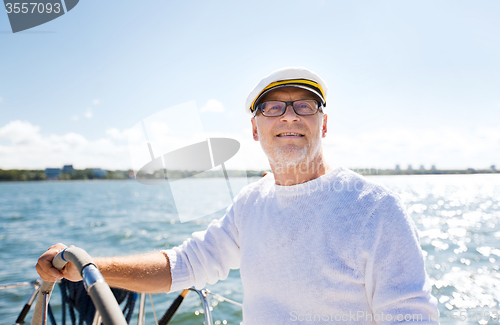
397,286
207,256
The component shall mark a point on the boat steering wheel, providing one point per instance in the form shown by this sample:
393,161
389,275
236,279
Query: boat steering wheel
94,283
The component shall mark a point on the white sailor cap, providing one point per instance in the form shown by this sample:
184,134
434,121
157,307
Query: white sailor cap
287,77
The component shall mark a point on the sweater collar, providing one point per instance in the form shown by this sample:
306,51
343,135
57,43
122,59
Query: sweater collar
306,188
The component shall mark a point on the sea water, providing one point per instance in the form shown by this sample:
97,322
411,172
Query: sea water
457,217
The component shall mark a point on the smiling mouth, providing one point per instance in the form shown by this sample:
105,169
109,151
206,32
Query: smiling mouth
289,134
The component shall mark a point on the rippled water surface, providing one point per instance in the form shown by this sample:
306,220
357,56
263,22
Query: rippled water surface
457,216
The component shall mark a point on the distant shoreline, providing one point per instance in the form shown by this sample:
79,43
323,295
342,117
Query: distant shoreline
16,175
389,172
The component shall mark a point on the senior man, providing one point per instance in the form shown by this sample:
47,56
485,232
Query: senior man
313,243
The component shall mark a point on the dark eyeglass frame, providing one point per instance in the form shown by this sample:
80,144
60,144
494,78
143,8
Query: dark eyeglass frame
291,103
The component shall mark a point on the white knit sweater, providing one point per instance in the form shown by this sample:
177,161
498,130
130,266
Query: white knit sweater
337,249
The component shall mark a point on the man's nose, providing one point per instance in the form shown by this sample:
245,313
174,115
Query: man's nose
290,114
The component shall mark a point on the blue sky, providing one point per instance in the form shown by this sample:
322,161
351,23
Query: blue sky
410,82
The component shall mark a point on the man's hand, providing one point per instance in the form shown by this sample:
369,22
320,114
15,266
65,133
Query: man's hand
49,273
140,273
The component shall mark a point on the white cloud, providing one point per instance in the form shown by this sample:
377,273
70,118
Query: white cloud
20,132
445,148
116,134
88,113
96,102
75,118
214,106
1,99
23,146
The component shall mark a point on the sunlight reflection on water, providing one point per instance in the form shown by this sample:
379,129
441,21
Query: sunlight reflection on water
457,216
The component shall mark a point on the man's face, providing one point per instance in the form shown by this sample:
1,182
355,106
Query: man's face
289,150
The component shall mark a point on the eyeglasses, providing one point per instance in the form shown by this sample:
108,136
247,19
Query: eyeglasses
277,108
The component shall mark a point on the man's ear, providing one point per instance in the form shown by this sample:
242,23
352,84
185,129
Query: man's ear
254,129
324,128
